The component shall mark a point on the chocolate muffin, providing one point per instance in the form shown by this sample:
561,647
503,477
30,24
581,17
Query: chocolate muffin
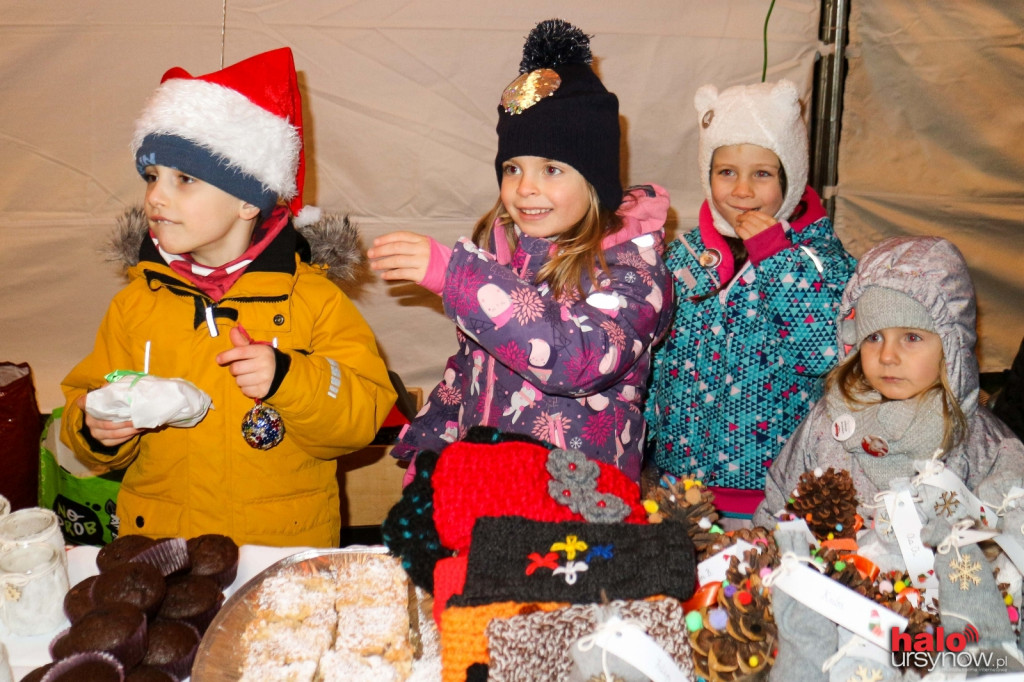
119,629
121,549
78,601
170,555
91,666
135,582
194,599
172,646
215,556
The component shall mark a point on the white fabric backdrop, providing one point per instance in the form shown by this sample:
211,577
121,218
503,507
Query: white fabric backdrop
932,139
400,107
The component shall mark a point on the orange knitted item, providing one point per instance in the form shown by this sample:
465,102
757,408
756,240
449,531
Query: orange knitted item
463,636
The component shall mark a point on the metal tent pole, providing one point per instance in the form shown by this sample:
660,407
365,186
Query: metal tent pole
829,101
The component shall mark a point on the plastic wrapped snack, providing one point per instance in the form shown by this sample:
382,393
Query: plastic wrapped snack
148,401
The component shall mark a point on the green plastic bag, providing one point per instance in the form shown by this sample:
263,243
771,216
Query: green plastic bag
84,499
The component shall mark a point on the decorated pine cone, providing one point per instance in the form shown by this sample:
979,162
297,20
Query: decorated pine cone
827,501
894,589
757,536
845,572
755,562
919,621
738,637
682,500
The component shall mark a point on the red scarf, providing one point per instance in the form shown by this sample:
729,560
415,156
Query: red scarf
215,282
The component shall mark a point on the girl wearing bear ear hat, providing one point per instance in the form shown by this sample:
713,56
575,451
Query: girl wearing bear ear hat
757,284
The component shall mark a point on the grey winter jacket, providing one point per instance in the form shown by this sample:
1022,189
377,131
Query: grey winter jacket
933,272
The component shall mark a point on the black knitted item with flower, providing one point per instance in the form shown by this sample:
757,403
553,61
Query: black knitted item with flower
515,559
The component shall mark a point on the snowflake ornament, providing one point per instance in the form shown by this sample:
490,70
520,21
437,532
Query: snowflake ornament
947,504
883,525
964,570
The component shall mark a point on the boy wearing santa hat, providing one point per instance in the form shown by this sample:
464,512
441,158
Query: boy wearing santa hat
224,293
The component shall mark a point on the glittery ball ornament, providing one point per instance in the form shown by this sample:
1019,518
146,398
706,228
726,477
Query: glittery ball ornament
262,427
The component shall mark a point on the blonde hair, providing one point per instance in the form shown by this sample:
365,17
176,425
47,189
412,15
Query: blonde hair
579,251
848,379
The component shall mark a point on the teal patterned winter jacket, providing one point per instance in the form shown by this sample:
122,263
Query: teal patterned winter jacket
742,366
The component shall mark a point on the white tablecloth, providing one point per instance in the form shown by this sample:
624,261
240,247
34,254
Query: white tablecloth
28,653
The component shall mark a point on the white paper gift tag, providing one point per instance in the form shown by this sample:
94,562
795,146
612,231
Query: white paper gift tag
629,644
712,569
919,559
858,647
860,615
798,526
1014,498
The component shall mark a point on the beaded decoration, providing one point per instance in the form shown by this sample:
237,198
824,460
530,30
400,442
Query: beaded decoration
574,484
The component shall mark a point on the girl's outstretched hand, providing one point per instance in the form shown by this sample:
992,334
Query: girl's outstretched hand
753,223
401,256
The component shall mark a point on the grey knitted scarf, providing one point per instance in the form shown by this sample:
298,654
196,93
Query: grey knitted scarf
904,430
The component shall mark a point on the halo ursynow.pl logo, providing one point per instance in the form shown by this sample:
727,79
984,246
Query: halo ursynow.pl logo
928,649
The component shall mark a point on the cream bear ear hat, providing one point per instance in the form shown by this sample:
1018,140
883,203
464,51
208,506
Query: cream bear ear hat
764,114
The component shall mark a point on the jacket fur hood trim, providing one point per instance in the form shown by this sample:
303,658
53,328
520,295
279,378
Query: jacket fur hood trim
333,243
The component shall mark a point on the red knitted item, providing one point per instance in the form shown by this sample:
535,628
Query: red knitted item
509,478
449,579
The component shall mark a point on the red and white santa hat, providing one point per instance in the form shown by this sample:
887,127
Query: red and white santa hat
239,129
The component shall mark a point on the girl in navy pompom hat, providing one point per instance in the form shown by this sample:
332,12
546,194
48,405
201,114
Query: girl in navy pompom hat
561,291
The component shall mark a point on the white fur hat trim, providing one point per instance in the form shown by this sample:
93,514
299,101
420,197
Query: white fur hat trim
763,114
222,120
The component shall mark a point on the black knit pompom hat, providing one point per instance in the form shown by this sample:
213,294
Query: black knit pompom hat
558,109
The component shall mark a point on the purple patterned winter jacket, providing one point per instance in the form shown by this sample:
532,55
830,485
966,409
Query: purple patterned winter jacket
571,373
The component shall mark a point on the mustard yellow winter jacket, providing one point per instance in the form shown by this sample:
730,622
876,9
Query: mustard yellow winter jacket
207,479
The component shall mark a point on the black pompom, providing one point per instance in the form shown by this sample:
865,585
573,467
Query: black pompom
552,43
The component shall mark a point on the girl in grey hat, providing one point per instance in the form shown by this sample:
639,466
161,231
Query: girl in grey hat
906,388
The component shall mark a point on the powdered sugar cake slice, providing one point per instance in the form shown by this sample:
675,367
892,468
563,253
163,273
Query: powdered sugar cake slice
316,617
296,596
345,666
303,671
373,580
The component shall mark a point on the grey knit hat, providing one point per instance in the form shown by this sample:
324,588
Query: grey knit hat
881,308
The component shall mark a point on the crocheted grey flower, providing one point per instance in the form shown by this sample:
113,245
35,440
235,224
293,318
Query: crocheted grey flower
574,484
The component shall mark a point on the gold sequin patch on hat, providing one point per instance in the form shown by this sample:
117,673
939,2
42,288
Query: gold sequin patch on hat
528,89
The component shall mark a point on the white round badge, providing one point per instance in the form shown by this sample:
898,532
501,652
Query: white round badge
843,427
